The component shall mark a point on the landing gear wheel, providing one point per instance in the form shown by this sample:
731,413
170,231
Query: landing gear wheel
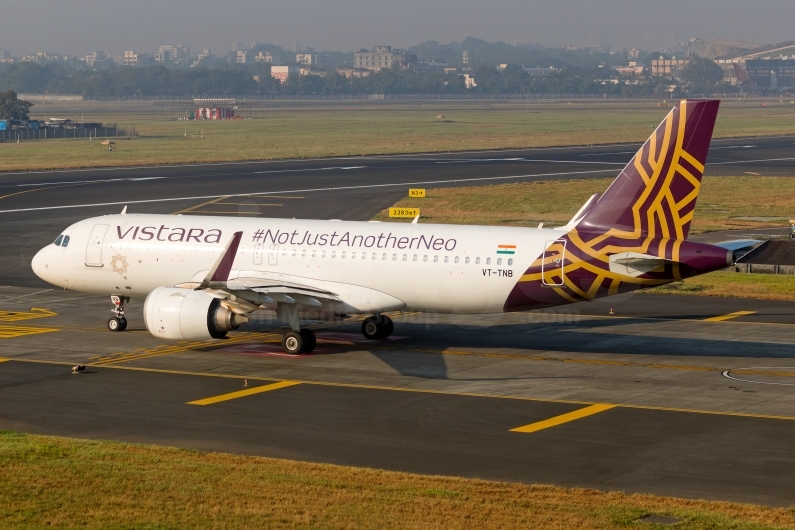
375,328
389,326
114,324
123,322
310,341
293,342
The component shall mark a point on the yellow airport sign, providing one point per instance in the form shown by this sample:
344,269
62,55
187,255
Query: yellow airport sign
410,213
416,192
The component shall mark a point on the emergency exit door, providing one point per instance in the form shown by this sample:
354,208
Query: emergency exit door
552,272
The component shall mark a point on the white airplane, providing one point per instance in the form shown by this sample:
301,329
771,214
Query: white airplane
202,276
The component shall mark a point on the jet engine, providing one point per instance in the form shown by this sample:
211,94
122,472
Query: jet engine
176,313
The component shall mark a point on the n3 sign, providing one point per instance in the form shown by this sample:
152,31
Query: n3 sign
416,192
404,212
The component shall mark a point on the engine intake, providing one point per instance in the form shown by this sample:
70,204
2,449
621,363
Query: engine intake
176,313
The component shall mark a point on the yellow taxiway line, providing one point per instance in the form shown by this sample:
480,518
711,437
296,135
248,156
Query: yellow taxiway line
420,391
565,418
244,393
730,316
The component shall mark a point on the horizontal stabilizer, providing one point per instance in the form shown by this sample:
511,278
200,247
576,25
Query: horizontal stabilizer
634,264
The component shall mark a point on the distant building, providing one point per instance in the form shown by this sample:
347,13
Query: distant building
533,70
263,58
633,53
469,81
241,57
138,60
466,58
383,57
282,73
735,63
96,59
45,57
771,73
215,113
307,59
714,48
632,69
169,53
353,73
666,67
5,55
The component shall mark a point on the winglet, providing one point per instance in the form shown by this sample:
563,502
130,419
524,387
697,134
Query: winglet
223,265
124,210
416,219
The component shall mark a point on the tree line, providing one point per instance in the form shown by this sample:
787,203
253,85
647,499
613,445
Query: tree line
239,80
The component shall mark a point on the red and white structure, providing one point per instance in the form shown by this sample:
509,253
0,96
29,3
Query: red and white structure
215,113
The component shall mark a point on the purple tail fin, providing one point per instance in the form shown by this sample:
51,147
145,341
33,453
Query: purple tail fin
655,195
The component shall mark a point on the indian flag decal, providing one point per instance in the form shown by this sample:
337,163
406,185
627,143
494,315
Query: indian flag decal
506,249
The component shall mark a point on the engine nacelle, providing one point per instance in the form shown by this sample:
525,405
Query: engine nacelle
175,313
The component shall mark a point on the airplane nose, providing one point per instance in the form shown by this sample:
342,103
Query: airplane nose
39,264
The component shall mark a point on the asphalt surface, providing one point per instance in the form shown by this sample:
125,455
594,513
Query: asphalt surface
695,408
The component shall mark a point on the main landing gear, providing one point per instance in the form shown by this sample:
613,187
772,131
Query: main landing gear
377,327
118,322
297,342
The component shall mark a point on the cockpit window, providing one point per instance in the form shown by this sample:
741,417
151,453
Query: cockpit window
57,242
65,241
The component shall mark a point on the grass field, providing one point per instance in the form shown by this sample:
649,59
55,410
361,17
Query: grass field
66,483
720,201
297,130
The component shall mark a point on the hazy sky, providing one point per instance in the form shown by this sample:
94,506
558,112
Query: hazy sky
81,26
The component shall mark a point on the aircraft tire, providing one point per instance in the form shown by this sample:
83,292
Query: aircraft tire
114,324
310,341
372,328
293,343
389,327
123,322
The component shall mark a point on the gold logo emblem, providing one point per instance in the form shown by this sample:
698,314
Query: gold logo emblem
119,264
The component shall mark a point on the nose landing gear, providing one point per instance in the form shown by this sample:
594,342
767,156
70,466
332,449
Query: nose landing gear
377,327
118,322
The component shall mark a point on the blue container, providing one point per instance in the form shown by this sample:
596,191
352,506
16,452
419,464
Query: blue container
33,125
3,125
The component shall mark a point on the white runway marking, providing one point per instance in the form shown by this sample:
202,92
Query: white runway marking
265,193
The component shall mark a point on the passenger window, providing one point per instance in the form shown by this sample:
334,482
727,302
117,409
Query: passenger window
314,253
294,251
323,254
499,261
58,240
466,260
303,253
353,255
383,256
510,261
364,255
425,257
446,259
405,256
333,253
477,261
394,257
65,241
435,259
456,259
343,254
488,261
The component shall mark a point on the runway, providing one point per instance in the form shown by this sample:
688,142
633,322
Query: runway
686,396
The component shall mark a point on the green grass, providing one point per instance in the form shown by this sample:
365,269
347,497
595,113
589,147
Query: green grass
720,201
65,483
734,285
361,128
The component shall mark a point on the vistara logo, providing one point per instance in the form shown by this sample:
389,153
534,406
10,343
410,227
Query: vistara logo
119,264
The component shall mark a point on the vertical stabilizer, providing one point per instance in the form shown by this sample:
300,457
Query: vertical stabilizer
655,195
